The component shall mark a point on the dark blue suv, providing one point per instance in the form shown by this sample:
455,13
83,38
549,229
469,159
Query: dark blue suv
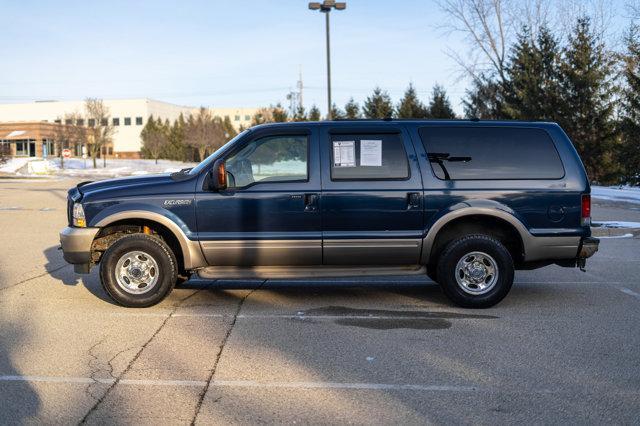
465,202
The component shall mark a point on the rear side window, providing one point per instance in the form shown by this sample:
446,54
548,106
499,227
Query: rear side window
485,153
368,157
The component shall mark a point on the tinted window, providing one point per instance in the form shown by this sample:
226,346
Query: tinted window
269,159
460,153
368,156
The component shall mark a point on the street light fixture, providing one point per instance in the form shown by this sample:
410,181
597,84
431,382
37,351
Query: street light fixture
325,7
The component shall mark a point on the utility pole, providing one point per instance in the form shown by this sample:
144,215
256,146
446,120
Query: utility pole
325,7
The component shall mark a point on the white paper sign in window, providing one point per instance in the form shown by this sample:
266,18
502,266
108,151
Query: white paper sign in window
371,153
344,154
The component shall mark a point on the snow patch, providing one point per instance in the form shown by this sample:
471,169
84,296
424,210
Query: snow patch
629,194
615,224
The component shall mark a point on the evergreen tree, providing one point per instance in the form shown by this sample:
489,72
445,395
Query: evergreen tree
300,114
533,77
154,137
378,105
336,113
229,130
176,148
279,114
484,99
352,110
587,109
629,150
439,106
410,106
314,114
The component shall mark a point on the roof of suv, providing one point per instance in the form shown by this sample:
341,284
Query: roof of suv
390,122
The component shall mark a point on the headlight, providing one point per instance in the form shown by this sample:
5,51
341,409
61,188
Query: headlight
78,216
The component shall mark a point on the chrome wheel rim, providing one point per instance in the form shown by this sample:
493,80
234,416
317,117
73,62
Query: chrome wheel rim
137,272
476,273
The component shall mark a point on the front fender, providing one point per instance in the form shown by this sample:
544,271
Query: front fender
191,251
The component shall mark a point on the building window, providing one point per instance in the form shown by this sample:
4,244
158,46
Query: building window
110,150
92,122
58,121
226,117
68,121
127,121
116,121
237,118
247,117
104,121
22,148
80,122
138,121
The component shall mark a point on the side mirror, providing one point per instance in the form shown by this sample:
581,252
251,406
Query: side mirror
218,180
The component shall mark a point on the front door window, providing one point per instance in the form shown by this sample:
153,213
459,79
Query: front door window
270,159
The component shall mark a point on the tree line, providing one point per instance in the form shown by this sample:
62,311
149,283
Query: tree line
198,135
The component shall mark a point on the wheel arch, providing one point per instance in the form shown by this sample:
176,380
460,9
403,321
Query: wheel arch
187,251
501,224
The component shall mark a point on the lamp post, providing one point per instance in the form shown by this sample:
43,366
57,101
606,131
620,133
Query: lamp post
325,7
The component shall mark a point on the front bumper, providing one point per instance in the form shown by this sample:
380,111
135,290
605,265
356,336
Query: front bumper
76,245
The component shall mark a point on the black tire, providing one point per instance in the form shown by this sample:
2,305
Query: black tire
432,272
161,280
467,293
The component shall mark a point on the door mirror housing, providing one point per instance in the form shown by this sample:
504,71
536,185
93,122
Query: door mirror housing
218,178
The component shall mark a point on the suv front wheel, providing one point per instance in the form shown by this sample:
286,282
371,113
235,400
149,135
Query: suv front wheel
138,270
475,271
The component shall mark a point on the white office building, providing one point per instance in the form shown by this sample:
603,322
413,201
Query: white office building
127,115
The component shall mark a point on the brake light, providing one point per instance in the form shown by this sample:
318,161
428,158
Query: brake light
585,215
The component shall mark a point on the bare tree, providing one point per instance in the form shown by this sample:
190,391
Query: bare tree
489,27
485,26
204,133
68,133
100,127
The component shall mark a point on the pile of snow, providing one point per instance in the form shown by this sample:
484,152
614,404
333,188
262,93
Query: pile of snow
629,194
84,168
14,164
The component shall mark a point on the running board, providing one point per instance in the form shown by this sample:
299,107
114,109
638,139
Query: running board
265,272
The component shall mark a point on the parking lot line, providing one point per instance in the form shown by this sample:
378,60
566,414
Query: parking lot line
629,292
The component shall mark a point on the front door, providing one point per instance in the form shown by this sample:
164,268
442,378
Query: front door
270,213
372,197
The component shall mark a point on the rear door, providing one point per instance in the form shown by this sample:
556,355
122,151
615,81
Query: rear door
372,196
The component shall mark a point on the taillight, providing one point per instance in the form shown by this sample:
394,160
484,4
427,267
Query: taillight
585,215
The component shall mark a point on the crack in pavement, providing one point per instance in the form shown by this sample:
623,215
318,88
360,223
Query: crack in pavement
204,391
133,360
47,272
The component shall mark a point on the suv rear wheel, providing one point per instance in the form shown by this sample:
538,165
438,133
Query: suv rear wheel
475,271
138,270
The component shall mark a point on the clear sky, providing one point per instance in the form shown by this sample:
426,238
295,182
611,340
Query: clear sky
220,53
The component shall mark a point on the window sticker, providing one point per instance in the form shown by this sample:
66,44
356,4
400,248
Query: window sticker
371,153
344,154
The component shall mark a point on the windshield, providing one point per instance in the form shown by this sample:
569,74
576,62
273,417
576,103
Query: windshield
204,163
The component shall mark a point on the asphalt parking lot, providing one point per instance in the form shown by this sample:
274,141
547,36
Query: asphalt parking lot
562,347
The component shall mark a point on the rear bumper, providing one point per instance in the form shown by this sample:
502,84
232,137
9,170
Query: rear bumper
588,247
76,244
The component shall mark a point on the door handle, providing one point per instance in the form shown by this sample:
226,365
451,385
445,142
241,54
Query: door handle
311,202
413,200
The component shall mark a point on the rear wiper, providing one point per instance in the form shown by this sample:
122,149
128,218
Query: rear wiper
440,157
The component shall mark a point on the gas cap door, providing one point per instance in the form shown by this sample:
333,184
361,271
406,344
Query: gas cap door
556,213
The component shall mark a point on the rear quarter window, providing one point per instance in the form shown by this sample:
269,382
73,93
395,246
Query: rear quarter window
486,153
